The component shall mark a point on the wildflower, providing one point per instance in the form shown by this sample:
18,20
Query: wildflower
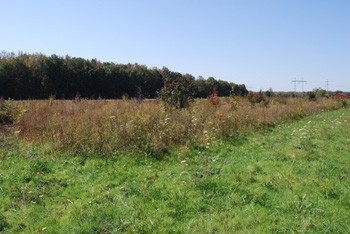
183,161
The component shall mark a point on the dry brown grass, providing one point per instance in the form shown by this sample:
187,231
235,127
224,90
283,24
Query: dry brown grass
109,126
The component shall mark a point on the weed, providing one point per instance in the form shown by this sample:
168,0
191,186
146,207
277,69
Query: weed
106,127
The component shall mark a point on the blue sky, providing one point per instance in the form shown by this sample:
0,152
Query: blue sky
261,43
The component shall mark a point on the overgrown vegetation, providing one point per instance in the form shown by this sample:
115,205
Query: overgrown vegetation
293,178
114,126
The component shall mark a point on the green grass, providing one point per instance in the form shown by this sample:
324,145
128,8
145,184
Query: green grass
290,178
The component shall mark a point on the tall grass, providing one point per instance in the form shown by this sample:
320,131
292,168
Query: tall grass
110,126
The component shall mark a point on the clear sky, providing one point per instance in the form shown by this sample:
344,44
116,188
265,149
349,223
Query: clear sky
260,43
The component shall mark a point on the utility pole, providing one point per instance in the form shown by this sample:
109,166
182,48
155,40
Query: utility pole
302,85
295,81
295,87
327,84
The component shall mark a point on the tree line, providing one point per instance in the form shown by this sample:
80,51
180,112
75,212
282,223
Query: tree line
37,76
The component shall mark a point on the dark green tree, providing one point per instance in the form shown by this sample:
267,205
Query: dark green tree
37,76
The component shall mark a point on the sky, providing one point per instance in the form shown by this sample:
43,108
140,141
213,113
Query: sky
260,43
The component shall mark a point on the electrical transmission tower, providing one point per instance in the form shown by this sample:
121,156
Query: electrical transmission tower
327,84
295,81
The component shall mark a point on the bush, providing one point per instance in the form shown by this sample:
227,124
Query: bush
213,98
9,113
256,97
311,96
320,92
343,102
177,93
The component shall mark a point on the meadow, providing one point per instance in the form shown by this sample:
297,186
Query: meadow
227,166
107,127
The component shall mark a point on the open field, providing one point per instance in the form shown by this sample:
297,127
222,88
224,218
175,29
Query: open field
293,177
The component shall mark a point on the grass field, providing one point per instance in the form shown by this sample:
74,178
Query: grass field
293,177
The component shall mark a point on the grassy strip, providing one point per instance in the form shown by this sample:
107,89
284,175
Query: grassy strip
291,178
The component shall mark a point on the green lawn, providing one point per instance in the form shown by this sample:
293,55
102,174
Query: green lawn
291,178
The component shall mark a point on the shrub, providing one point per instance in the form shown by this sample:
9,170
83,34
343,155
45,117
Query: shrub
311,96
8,112
269,93
320,92
256,97
343,102
213,98
177,93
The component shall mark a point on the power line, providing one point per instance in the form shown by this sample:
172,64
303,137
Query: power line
295,81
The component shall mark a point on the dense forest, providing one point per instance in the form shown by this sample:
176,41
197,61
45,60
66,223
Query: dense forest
37,76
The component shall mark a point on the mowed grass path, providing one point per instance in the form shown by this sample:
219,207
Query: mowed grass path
291,178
